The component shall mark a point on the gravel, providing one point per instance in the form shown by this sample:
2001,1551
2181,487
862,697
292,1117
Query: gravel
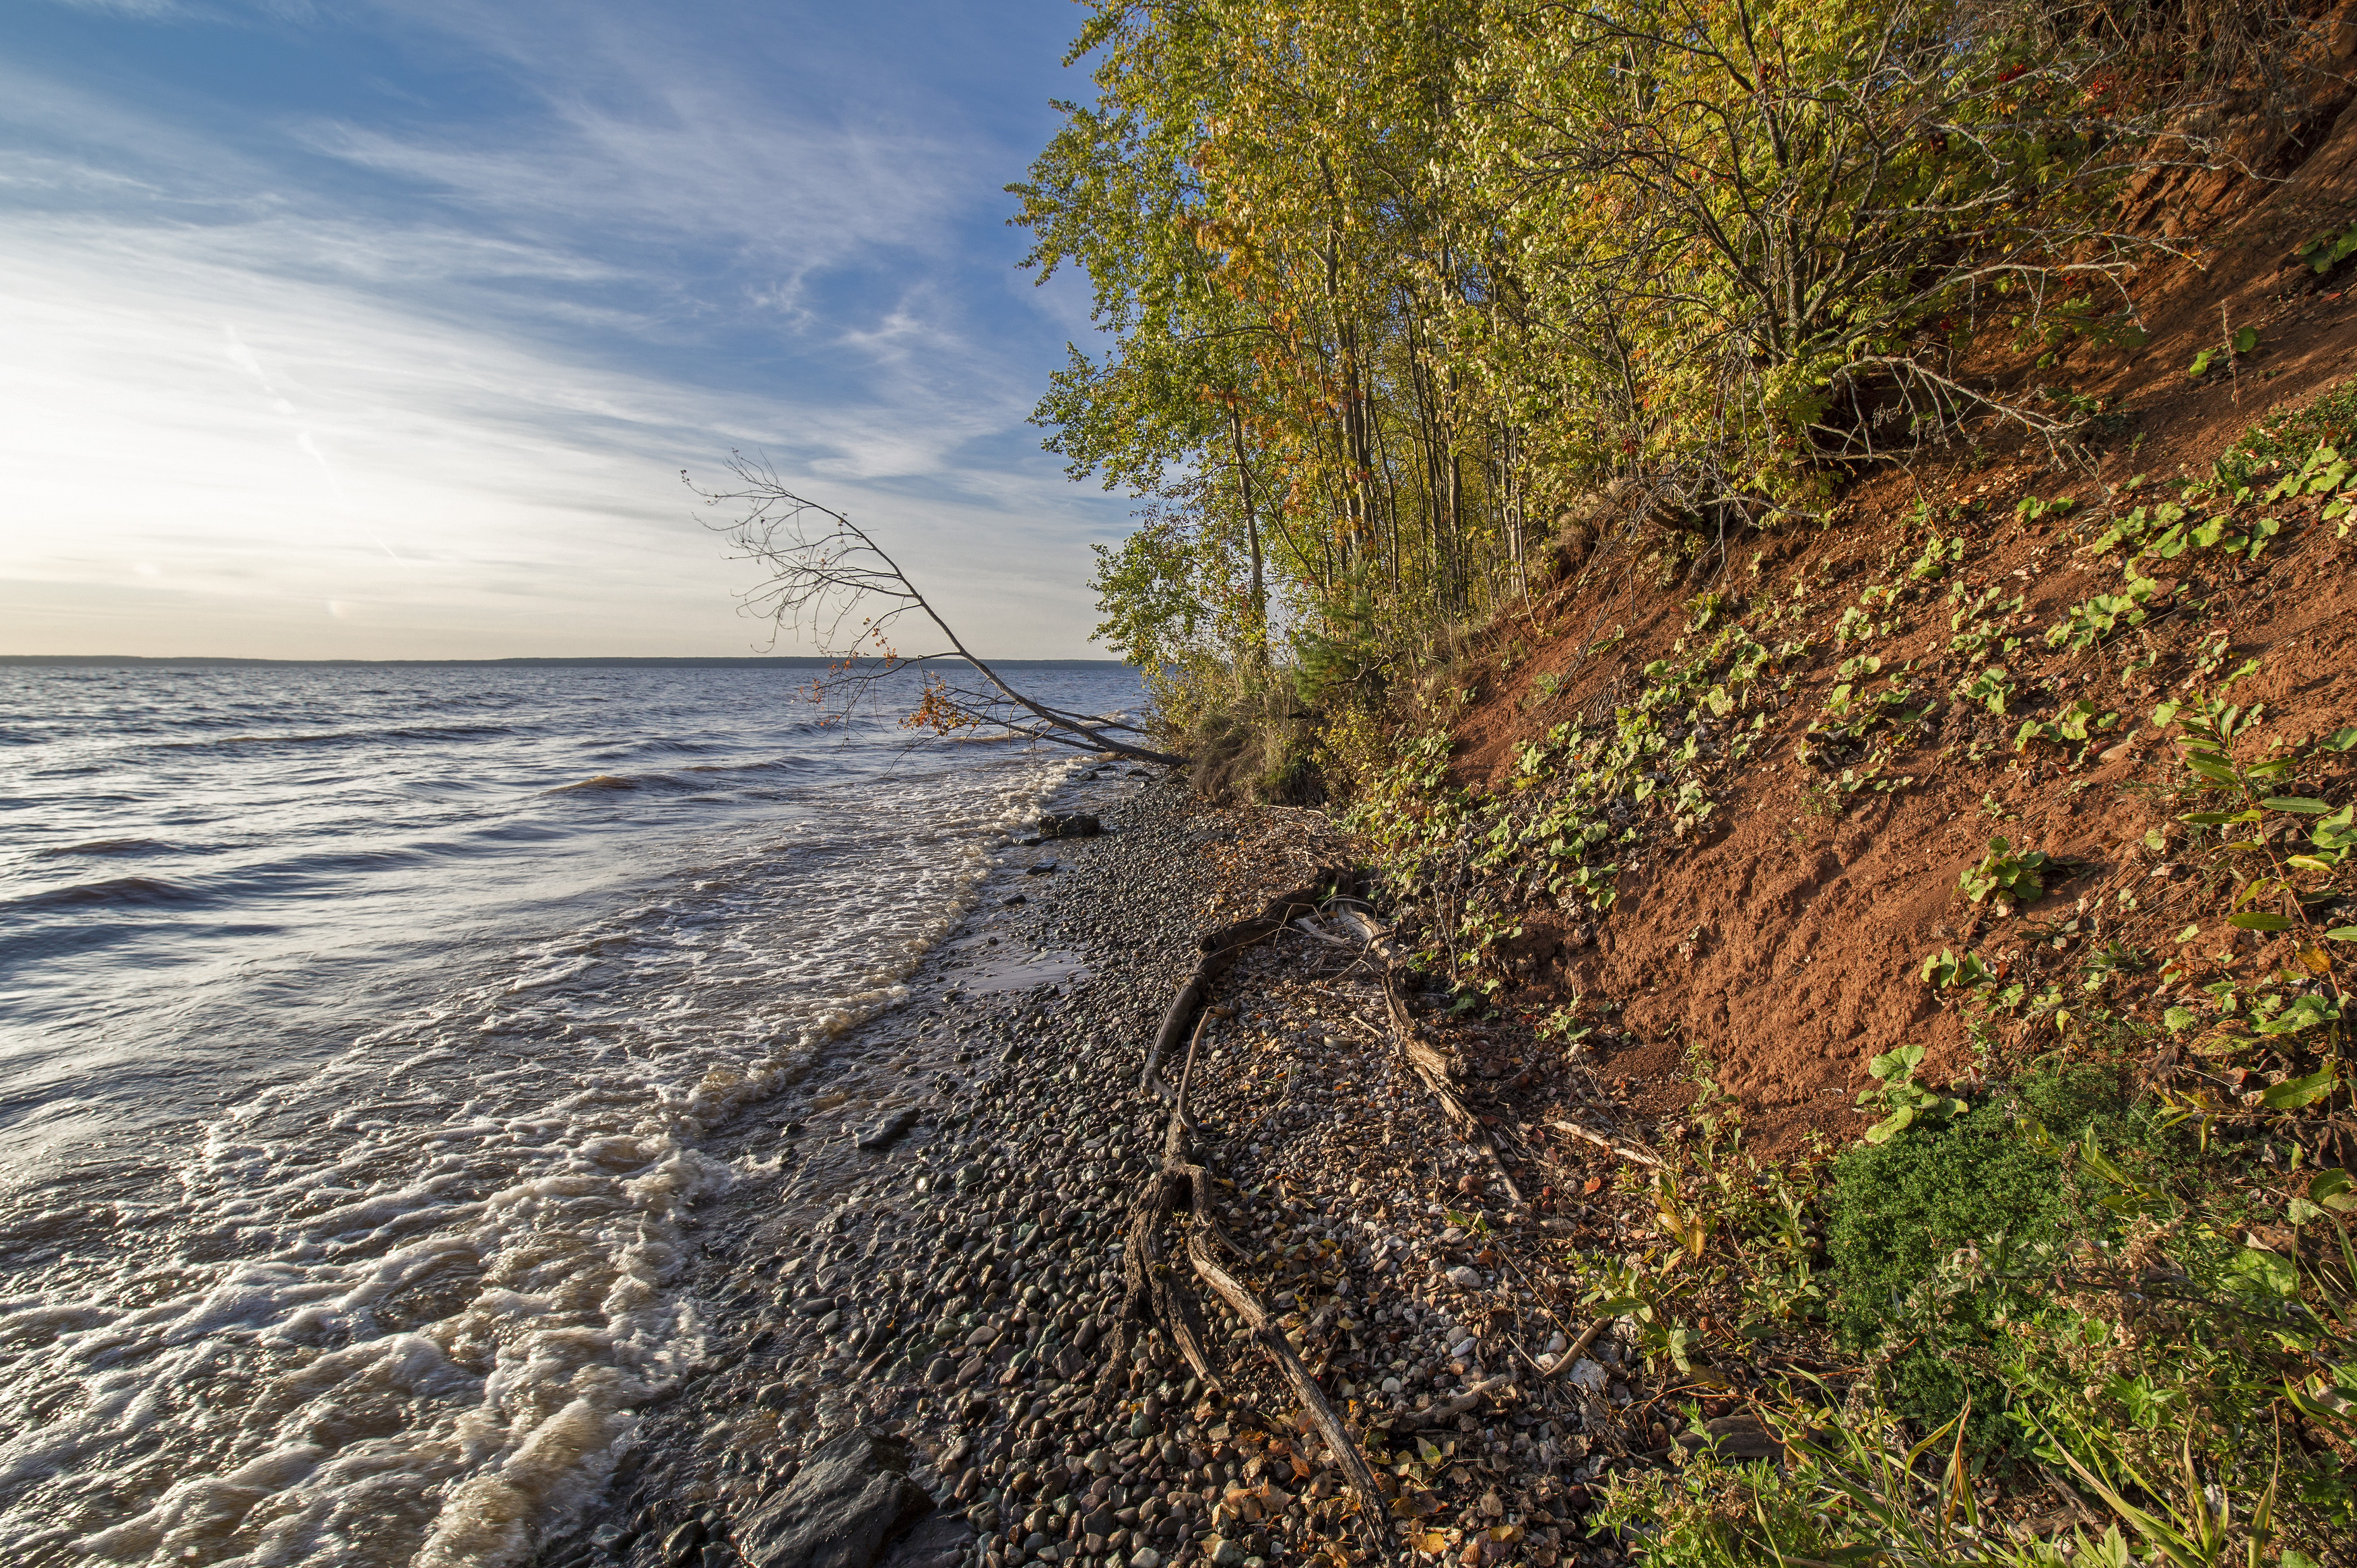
951,1287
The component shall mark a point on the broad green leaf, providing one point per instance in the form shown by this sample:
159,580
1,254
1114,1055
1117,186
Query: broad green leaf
2303,804
2295,1092
2269,1272
2257,921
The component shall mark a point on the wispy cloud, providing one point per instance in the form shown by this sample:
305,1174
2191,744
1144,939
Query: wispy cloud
432,355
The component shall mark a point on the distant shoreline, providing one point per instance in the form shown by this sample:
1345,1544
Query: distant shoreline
746,661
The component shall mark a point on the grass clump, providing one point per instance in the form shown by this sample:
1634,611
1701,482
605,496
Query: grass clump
2328,419
1935,1239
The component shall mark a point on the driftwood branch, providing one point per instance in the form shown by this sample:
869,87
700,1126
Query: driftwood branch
1601,1141
1451,1408
1153,1293
1219,948
1272,1340
1432,1067
832,586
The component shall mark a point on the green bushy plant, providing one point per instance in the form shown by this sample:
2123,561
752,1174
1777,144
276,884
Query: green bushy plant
1926,1231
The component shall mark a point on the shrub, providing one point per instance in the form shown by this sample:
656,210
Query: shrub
1900,1216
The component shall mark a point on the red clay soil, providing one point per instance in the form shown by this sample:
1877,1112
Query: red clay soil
1786,944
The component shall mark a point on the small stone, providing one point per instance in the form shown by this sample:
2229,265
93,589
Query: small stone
1465,1276
1222,1553
1589,1375
1146,1557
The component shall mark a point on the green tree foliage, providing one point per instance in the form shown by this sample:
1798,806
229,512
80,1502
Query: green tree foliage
1385,289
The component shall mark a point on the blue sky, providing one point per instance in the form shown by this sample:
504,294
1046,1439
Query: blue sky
349,329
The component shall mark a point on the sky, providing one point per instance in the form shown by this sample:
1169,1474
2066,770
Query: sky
332,329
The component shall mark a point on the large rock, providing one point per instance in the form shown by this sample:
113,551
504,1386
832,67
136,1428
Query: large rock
1070,825
889,1131
844,1506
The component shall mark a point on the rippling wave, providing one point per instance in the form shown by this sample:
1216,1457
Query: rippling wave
113,890
109,847
352,1156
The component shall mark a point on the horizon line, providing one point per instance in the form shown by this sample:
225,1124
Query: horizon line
737,661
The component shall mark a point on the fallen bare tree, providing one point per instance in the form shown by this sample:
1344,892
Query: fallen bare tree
831,585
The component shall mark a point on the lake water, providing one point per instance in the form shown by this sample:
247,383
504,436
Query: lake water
358,1031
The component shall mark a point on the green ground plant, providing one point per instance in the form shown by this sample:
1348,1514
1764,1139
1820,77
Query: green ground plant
2012,879
2136,1284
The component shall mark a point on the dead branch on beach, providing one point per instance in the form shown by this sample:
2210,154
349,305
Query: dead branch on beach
1297,910
1153,1294
1220,949
1155,1297
832,585
1430,1067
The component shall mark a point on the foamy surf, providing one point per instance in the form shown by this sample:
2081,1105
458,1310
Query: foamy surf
403,1305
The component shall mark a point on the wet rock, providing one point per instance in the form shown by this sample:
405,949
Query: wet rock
848,1500
889,1130
1071,825
940,1541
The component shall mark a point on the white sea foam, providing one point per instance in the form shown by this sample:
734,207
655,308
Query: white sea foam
404,1309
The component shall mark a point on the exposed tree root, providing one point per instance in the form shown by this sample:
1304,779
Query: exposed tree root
1154,1295
1220,948
1434,1069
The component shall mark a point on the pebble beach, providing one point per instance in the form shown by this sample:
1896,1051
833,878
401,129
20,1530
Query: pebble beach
917,1352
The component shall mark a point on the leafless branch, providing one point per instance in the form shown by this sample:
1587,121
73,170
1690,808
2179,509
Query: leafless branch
831,586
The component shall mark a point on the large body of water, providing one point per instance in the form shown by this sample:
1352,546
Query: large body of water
359,1030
